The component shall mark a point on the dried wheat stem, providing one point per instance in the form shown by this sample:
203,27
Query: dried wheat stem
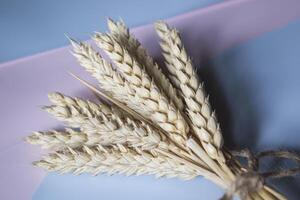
119,160
202,171
165,114
203,120
265,193
274,192
122,35
196,148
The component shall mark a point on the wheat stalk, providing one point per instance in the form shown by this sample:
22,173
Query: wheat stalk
203,120
122,35
119,160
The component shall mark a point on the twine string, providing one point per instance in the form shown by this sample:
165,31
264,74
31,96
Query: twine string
252,180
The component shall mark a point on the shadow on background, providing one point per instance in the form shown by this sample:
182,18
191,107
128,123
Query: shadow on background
255,91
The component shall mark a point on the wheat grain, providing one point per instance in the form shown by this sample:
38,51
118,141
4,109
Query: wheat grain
119,160
122,35
204,122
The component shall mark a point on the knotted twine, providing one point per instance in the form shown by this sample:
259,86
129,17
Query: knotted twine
252,180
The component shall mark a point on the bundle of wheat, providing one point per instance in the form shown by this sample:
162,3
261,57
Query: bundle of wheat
149,123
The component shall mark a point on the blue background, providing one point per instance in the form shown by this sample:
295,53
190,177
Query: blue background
33,26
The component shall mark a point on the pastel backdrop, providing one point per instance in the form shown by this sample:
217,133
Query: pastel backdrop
246,52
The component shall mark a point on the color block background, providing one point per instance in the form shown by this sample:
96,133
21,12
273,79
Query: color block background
249,63
33,26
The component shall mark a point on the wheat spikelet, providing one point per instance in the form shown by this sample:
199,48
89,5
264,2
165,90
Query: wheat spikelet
119,160
122,35
60,139
165,114
89,117
203,120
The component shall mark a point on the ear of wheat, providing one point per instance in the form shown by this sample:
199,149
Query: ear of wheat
121,33
116,159
184,76
153,123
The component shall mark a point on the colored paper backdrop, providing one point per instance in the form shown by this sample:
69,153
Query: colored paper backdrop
248,59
